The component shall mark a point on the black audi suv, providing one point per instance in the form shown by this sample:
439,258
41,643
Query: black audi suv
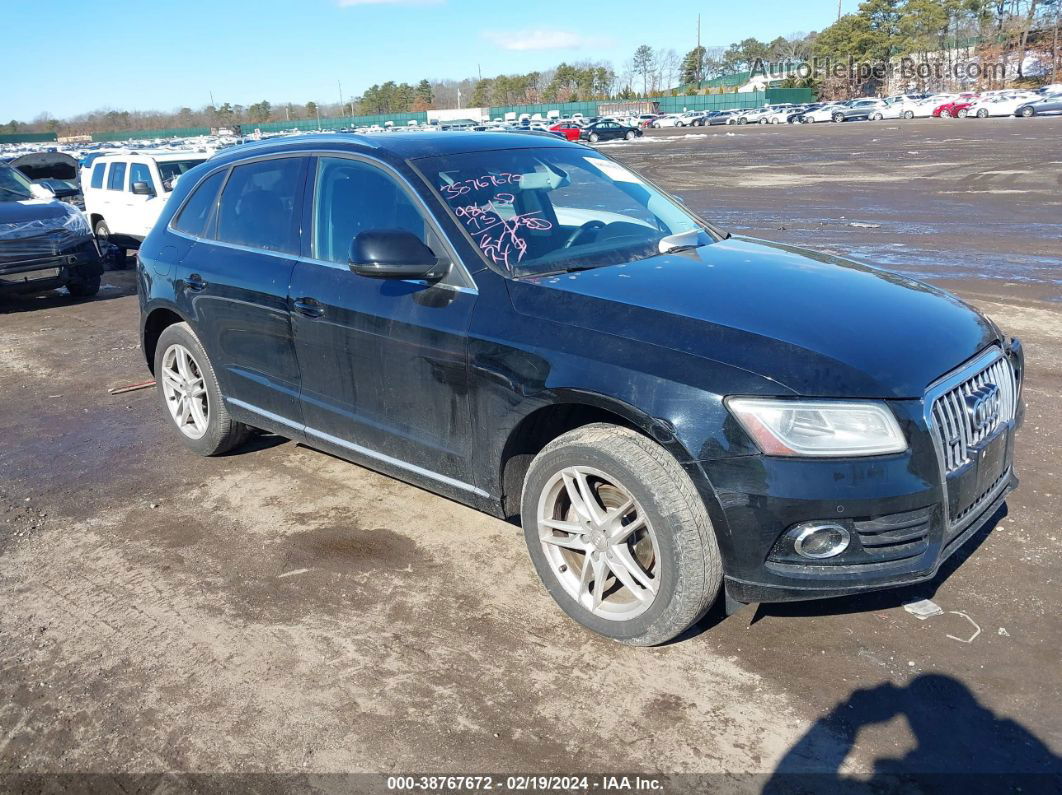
527,326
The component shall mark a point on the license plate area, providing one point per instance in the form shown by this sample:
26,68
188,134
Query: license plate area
29,276
989,461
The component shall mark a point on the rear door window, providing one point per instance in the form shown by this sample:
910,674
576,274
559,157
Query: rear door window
258,206
97,175
198,209
116,177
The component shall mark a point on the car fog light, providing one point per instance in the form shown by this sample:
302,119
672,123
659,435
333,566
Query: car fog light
820,540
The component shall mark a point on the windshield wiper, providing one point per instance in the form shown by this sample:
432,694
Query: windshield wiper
572,269
683,241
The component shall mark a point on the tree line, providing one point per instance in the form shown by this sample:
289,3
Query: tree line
877,33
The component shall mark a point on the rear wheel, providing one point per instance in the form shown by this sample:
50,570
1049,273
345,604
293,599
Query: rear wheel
908,114
191,395
619,535
962,114
808,120
982,113
838,117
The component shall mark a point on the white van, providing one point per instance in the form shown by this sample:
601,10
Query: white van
125,193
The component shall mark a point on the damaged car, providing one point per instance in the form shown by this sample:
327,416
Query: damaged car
44,243
527,326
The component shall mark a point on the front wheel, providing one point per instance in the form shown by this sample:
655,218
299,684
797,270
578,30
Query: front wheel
103,235
619,535
808,120
191,395
838,117
962,114
1028,112
84,288
982,113
945,114
908,114
631,135
876,117
594,138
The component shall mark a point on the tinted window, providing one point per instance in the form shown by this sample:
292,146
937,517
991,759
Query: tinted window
353,197
97,175
258,205
193,217
139,172
116,177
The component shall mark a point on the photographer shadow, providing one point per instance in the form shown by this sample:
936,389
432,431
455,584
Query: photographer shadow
960,746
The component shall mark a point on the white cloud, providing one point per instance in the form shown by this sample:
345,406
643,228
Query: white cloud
537,39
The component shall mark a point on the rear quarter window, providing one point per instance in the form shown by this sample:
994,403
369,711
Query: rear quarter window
196,212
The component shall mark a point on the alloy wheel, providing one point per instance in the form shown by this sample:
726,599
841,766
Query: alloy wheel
599,543
185,391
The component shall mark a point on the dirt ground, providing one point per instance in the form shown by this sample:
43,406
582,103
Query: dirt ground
281,610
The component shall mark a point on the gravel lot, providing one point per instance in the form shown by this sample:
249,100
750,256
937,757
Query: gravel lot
281,610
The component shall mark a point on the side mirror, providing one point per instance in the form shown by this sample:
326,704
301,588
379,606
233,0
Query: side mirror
142,189
395,254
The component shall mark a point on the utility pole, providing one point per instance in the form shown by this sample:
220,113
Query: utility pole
341,103
838,9
212,103
698,31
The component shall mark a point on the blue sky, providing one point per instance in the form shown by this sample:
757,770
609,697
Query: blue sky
72,56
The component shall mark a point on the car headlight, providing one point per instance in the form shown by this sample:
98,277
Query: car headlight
819,427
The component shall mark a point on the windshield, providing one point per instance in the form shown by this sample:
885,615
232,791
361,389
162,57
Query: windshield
535,211
14,186
171,169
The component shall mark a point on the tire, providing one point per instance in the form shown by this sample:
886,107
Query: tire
594,138
876,117
945,114
838,118
908,114
808,120
631,135
84,288
676,543
775,120
1028,113
763,121
103,235
982,113
962,114
219,432
743,121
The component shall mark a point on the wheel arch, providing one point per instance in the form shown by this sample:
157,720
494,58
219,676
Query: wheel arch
155,322
570,409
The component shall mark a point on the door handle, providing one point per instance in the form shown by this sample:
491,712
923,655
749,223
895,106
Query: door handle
195,283
310,307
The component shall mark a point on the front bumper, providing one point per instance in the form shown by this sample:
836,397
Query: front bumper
47,273
904,519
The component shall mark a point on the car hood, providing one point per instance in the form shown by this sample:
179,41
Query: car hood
818,325
17,212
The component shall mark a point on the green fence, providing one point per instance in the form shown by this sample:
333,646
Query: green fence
793,96
337,123
27,138
748,99
174,132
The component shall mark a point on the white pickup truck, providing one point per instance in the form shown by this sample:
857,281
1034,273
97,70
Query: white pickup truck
126,192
